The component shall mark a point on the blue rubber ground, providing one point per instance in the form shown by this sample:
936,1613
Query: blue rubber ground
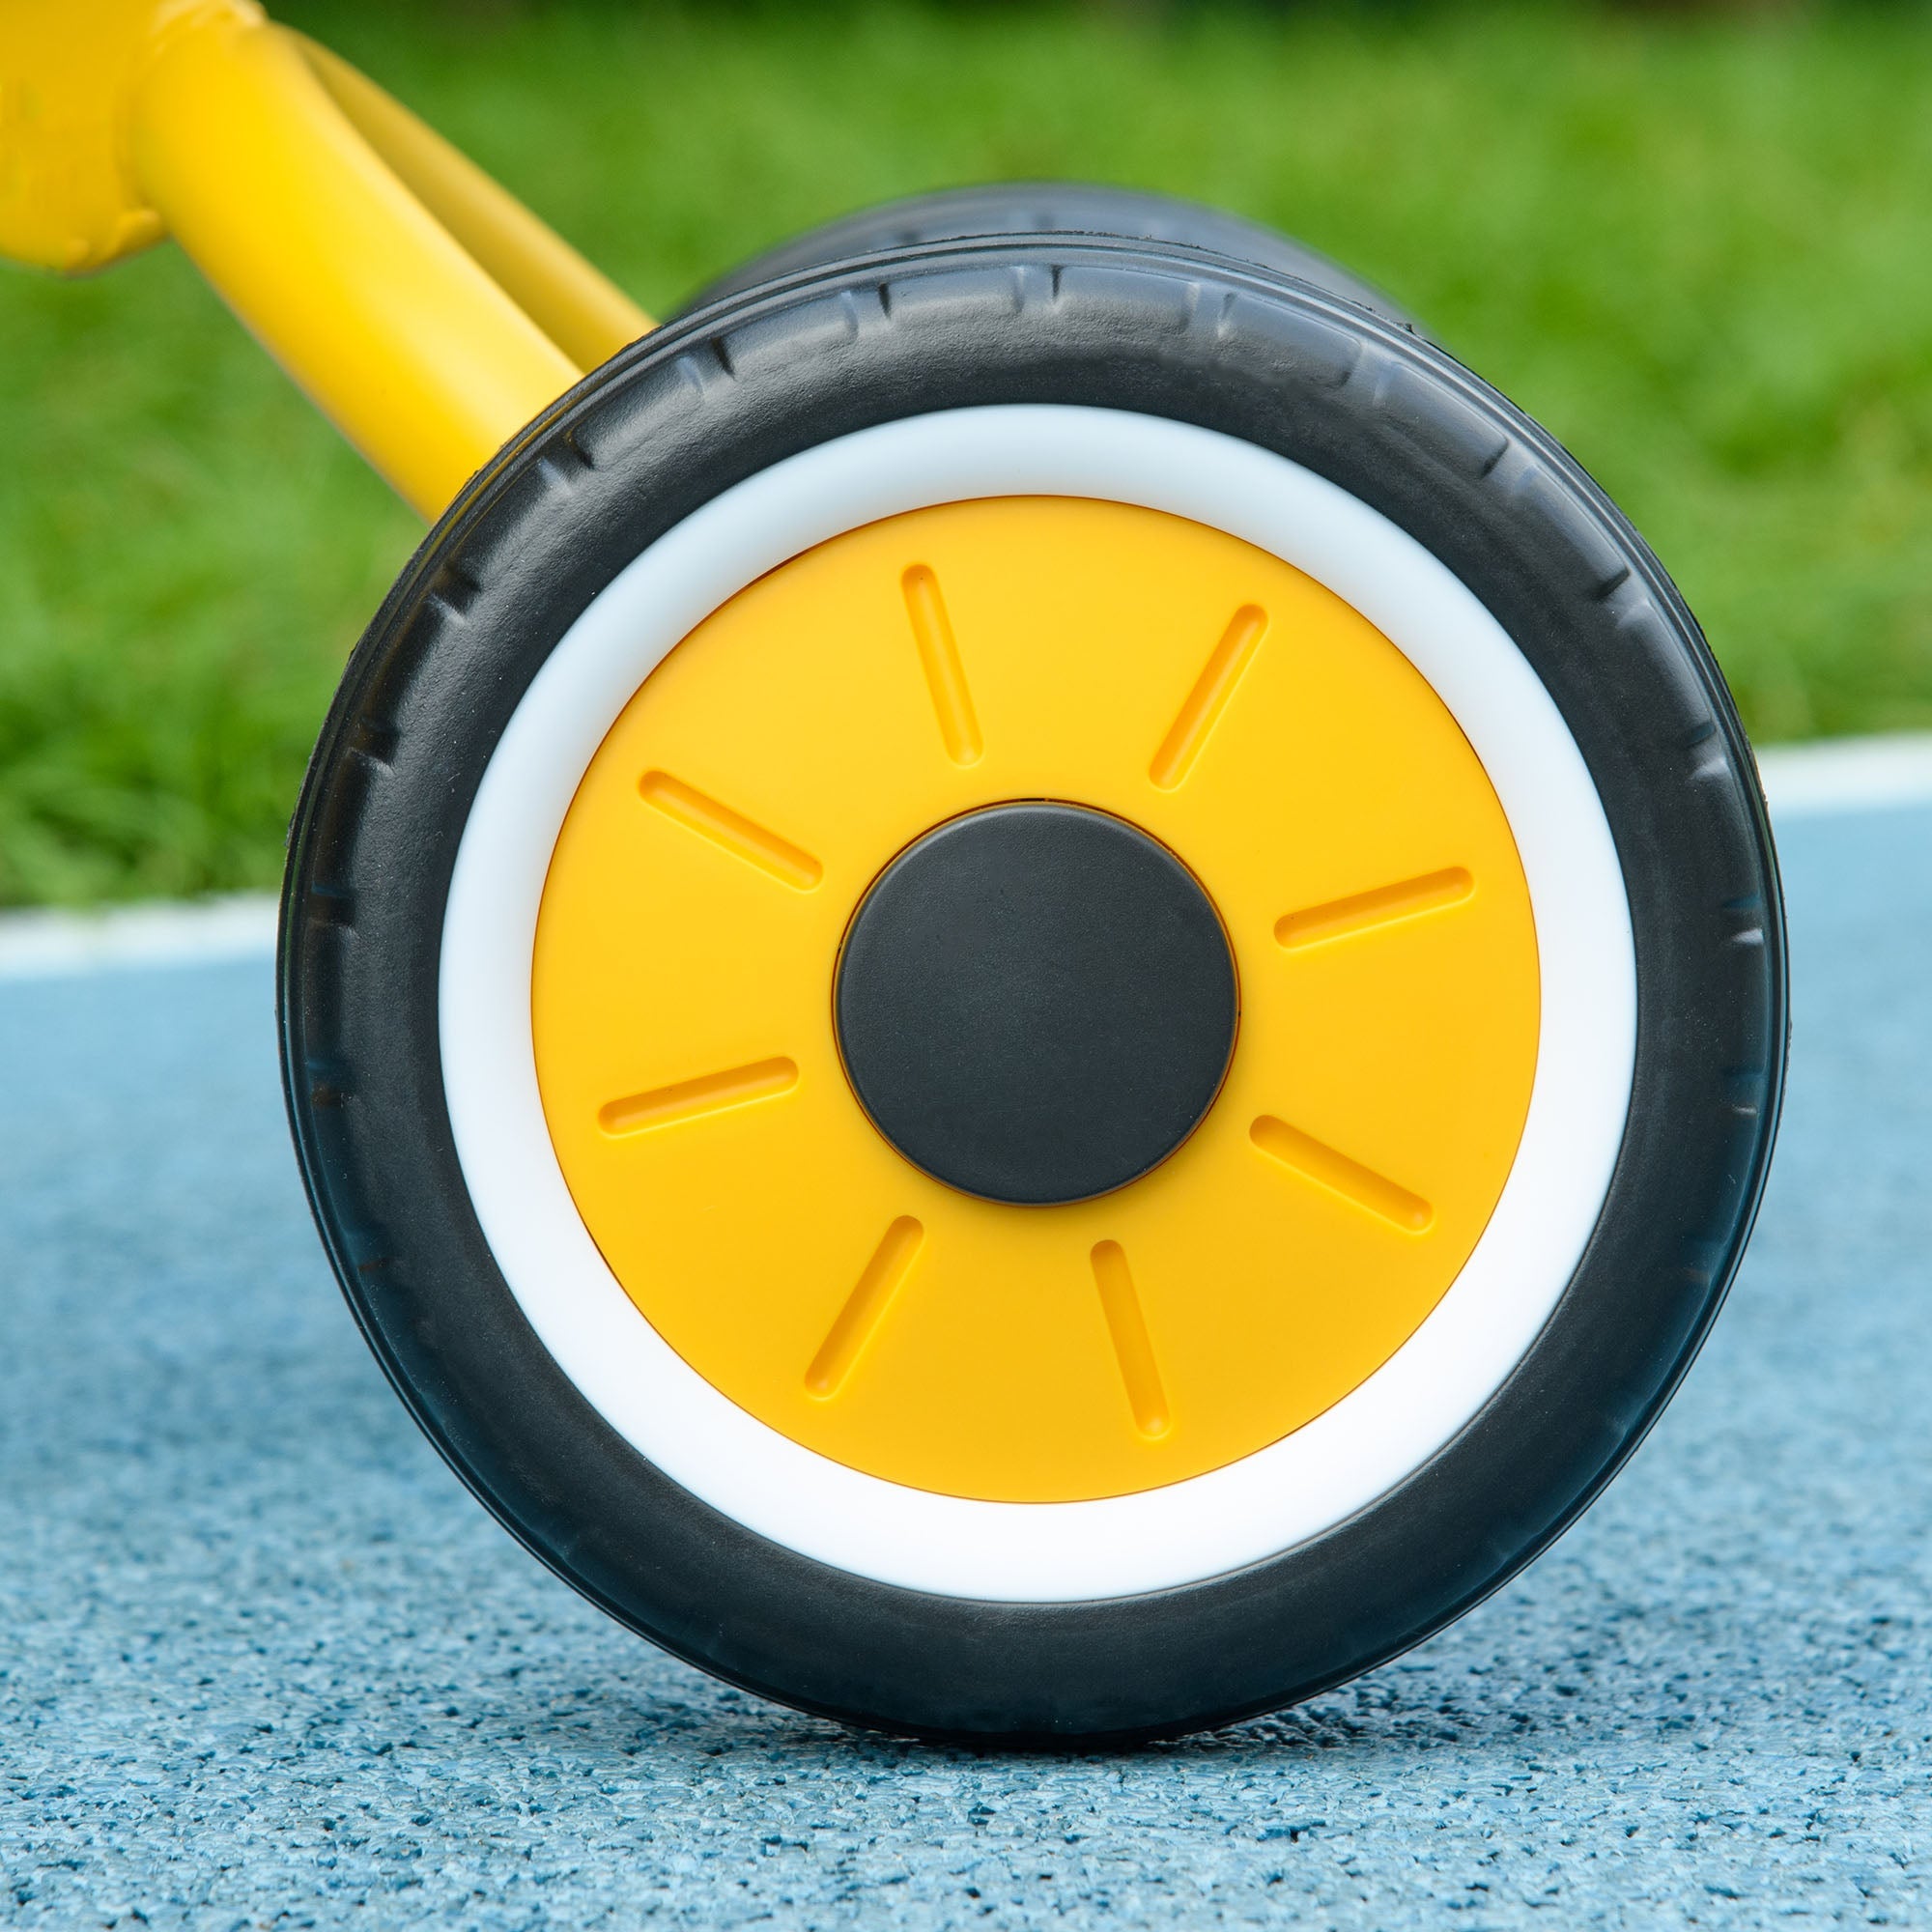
264,1662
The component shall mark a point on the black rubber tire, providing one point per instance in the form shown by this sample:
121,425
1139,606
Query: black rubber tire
1042,208
695,408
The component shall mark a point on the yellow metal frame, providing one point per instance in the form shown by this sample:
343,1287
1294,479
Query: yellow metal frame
426,312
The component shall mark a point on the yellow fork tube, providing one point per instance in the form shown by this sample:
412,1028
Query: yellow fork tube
370,305
425,311
586,315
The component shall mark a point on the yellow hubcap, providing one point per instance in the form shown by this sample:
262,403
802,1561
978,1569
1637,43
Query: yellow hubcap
1145,666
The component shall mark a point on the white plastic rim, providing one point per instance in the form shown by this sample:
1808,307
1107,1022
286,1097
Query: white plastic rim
1203,1526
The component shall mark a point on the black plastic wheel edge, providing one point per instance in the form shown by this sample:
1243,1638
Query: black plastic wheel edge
621,459
1041,207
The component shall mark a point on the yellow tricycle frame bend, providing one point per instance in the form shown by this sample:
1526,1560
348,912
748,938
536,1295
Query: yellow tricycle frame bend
425,311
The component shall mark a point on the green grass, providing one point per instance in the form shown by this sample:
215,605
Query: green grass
1699,249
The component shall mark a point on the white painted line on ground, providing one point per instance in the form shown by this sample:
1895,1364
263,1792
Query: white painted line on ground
50,944
1847,775
1838,775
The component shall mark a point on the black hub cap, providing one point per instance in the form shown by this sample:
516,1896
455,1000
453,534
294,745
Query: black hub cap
1035,1003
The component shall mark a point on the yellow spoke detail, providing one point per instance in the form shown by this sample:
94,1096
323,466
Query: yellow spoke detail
1322,1164
1140,1372
688,1100
864,1308
1385,905
1209,698
939,657
743,837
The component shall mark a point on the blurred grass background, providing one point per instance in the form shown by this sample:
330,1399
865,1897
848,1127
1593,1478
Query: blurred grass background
1697,246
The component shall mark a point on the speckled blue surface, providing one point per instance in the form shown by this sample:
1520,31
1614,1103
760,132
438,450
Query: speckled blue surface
264,1662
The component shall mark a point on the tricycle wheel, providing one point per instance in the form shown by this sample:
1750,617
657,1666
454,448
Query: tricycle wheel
1033,989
